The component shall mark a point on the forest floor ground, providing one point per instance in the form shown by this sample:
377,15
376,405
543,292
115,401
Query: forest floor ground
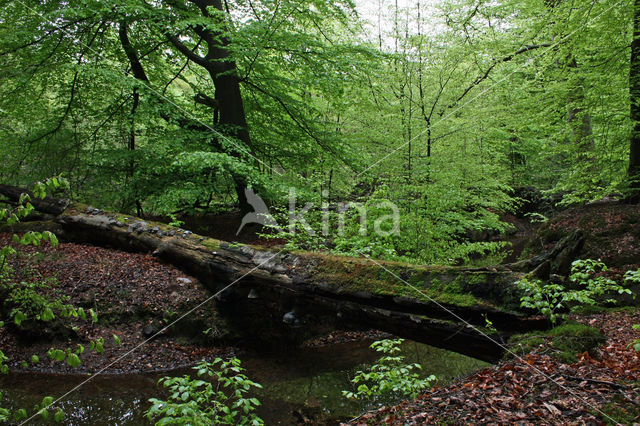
135,296
538,389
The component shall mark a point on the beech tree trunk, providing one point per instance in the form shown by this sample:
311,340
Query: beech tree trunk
320,288
634,96
227,106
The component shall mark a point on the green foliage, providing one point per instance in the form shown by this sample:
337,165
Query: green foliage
544,298
390,375
4,369
380,228
4,413
633,277
93,314
32,301
29,300
587,290
489,327
43,410
537,217
636,343
201,402
97,345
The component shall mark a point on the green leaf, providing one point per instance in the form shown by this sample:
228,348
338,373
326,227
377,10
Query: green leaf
94,315
19,317
73,360
56,354
20,414
47,314
59,416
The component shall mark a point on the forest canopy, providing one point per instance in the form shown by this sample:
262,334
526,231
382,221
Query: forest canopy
444,108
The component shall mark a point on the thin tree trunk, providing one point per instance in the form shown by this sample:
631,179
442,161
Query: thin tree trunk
634,95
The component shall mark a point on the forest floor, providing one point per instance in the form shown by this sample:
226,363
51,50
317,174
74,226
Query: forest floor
538,389
135,296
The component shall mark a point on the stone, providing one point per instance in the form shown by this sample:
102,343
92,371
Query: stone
148,330
289,318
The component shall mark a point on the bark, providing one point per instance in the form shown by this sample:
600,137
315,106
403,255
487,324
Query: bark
227,107
634,95
48,205
229,112
322,289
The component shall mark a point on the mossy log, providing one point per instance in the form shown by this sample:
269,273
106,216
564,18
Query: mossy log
424,303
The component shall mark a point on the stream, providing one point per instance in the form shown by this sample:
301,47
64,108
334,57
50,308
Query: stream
299,383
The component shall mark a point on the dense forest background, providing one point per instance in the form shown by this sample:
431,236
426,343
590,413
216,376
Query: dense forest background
446,108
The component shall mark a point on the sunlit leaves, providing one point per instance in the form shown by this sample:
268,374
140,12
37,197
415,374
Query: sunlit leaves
197,402
389,375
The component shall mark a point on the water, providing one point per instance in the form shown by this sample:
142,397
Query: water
298,383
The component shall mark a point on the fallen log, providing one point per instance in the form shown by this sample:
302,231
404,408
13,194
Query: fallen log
431,304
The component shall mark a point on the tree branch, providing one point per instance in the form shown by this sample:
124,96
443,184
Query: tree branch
484,76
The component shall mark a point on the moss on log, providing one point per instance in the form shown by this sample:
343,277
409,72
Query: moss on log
425,303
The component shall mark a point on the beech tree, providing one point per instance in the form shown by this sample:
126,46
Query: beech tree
634,97
175,107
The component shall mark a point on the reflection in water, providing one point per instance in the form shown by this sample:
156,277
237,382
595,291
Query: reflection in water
298,383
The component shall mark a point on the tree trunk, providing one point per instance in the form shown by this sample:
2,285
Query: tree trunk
351,292
578,118
229,111
228,107
634,96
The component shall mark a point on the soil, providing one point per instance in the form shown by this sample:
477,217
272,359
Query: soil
134,295
536,388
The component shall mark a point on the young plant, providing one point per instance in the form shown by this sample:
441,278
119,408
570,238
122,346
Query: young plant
633,277
390,375
550,299
30,301
200,402
636,343
488,325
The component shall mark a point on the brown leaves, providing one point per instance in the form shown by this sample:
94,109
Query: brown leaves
515,392
127,290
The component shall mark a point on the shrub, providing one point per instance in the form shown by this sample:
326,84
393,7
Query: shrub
390,375
549,298
197,402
